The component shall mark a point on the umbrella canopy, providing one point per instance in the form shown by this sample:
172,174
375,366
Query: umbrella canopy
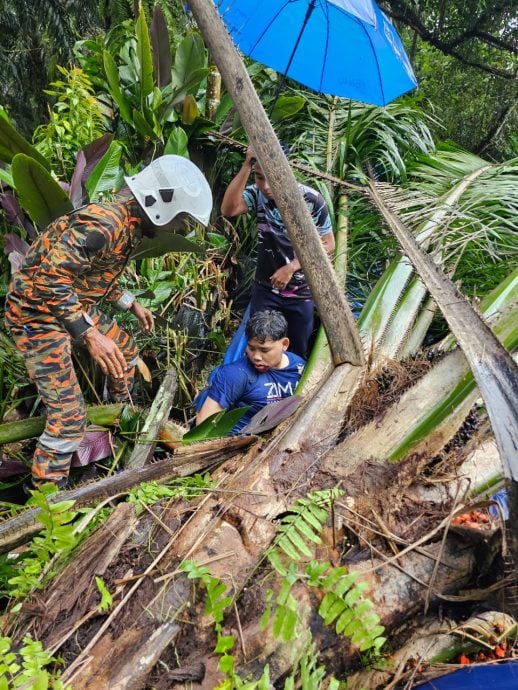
345,48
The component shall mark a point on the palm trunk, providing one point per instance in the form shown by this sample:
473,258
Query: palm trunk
329,298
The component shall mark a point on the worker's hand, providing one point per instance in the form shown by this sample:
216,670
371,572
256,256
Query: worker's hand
282,277
106,353
250,157
145,317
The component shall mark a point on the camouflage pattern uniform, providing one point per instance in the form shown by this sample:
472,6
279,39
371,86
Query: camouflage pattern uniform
72,265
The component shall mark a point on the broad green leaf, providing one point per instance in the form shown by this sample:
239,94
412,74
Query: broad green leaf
112,76
144,57
215,426
142,125
5,176
106,177
177,143
38,192
177,96
286,106
12,143
190,56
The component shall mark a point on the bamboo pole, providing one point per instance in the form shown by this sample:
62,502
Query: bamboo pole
329,297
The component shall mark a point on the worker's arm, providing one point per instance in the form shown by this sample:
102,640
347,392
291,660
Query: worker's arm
208,408
233,203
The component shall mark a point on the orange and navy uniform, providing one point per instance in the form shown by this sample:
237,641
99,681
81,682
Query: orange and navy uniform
53,299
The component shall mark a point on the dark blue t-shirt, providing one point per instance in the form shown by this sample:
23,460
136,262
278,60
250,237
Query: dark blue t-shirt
240,385
274,248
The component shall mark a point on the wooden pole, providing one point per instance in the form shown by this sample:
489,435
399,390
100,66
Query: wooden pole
329,296
157,416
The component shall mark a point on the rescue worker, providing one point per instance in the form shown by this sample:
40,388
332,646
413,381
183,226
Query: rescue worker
54,299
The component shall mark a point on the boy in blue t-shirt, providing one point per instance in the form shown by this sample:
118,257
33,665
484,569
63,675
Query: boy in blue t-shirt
267,372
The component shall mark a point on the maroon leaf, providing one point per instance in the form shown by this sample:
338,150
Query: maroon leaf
161,48
93,153
10,468
13,243
76,185
15,216
16,261
272,415
94,446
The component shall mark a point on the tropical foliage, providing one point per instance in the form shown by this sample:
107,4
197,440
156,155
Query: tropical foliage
139,90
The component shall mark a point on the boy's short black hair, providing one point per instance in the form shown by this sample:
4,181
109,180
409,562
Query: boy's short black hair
266,325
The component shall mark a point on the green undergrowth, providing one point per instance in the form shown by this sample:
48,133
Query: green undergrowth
344,604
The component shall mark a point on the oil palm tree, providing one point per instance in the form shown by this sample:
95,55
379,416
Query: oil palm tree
35,37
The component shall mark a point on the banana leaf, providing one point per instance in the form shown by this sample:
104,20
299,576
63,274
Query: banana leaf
162,61
144,58
39,193
112,76
190,59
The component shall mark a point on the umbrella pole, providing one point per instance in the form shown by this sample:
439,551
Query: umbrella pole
335,313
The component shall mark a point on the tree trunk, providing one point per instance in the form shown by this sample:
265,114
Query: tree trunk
329,297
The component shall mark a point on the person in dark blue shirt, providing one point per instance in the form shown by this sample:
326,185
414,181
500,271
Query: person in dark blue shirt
268,372
279,283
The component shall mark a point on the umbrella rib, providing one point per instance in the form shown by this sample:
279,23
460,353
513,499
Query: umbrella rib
267,28
362,25
324,61
309,12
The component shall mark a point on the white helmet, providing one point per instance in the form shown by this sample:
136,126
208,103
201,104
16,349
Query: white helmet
171,185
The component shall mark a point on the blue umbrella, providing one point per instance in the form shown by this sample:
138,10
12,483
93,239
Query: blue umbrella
345,48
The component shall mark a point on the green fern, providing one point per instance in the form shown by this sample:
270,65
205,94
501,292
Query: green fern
344,605
304,523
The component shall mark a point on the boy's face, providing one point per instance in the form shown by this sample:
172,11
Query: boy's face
262,182
266,355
